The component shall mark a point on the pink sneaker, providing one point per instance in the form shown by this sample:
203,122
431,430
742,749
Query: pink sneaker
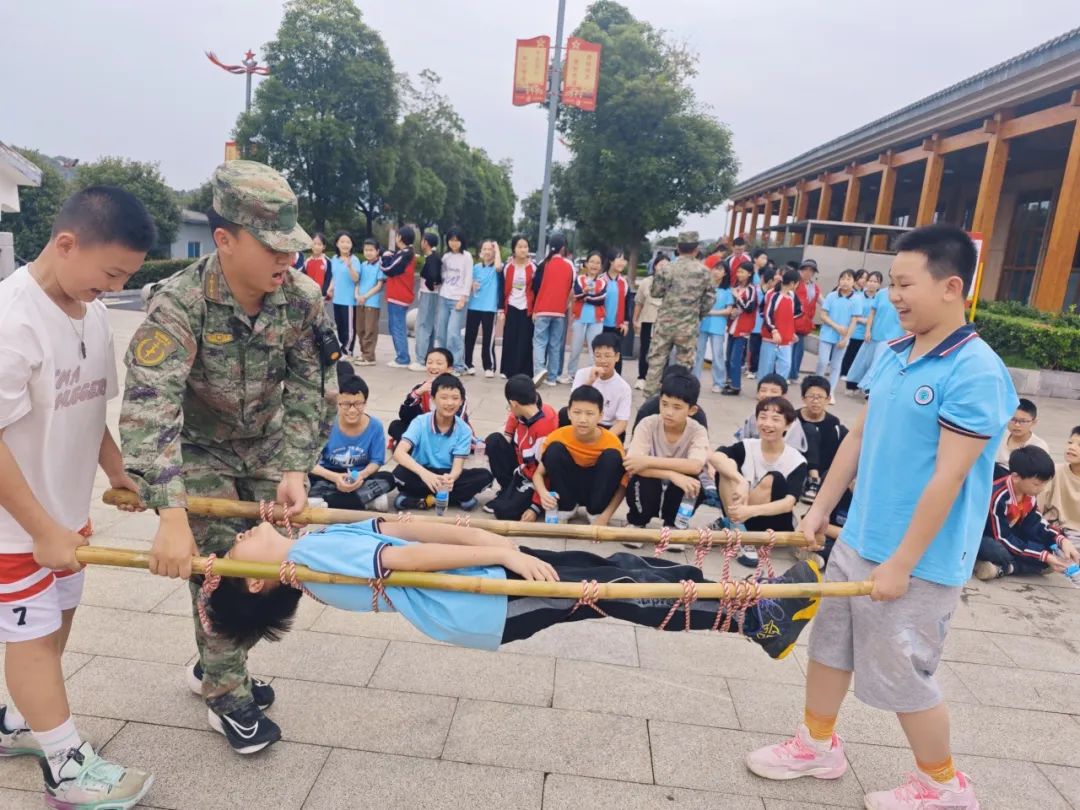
799,756
920,792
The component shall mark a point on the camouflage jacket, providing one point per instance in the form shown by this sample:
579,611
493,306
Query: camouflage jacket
201,371
687,287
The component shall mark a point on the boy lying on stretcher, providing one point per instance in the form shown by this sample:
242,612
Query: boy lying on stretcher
253,609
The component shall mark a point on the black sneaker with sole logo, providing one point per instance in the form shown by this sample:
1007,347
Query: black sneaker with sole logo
782,620
261,691
247,729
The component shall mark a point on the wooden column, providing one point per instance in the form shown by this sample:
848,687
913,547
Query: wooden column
751,234
783,215
742,222
802,205
731,224
993,174
851,203
1053,278
931,184
824,203
766,219
883,212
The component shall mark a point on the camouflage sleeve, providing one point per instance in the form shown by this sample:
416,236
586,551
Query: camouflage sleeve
158,362
306,413
661,281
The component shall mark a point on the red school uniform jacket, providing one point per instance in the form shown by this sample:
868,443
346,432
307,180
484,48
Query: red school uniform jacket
400,270
781,310
808,295
317,268
555,287
528,435
597,297
746,303
510,271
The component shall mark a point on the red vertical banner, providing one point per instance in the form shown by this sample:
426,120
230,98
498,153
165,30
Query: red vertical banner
581,74
531,70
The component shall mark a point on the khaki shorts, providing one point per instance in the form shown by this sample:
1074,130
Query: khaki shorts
892,647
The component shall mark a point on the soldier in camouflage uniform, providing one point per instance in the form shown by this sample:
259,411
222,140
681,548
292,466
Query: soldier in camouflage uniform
223,399
686,287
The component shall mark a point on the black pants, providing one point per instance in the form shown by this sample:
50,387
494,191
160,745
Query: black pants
471,483
381,483
647,498
849,357
502,459
527,615
517,343
990,549
778,523
643,351
753,352
514,499
564,421
345,318
614,330
591,487
474,319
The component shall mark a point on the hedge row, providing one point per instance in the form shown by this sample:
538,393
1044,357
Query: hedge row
155,270
1048,341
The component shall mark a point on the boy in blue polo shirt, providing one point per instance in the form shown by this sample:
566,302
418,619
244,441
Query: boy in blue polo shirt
924,454
432,451
369,302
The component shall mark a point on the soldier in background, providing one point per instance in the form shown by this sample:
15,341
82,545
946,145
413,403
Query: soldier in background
686,287
223,399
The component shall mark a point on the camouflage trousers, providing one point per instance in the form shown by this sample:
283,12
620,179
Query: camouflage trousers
241,470
665,337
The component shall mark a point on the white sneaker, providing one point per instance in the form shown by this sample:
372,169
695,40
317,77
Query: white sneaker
564,380
417,367
396,364
549,383
489,373
17,742
799,756
380,504
540,376
716,389
566,514
471,370
639,384
88,782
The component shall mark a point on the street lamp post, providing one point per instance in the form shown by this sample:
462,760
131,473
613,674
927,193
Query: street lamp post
553,113
248,67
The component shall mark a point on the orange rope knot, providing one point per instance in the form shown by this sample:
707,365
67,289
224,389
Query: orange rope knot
210,583
704,546
287,575
665,541
590,592
745,594
688,598
462,520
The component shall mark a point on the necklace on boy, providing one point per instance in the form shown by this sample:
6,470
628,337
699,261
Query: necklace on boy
80,334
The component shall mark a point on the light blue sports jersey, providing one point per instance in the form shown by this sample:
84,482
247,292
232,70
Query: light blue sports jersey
436,450
717,324
465,619
486,297
960,385
841,310
611,301
370,275
886,324
344,286
864,306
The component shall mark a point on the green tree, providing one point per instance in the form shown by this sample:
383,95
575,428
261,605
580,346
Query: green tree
649,154
529,222
32,226
326,116
200,199
144,180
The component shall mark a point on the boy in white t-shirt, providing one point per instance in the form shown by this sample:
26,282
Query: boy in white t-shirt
603,377
57,370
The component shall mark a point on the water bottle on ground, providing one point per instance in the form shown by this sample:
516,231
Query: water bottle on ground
1072,573
686,511
442,500
552,515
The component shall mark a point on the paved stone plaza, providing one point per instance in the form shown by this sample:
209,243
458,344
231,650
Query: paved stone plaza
596,714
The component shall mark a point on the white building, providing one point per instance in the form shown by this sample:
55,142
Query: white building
15,171
194,238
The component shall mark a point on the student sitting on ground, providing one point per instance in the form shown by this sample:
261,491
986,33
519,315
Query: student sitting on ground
347,474
1060,502
823,433
1017,540
760,480
651,406
431,454
666,455
247,610
512,454
582,463
769,386
603,377
418,400
1019,434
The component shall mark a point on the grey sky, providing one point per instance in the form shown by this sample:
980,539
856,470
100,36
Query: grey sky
128,77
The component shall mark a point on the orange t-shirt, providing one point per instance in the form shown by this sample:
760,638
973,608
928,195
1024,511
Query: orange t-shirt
585,454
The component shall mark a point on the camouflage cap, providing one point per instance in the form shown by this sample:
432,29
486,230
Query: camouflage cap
259,199
688,237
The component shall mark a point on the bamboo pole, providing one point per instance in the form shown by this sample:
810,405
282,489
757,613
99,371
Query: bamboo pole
125,558
248,510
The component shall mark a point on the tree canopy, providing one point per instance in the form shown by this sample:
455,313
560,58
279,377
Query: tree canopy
144,180
32,226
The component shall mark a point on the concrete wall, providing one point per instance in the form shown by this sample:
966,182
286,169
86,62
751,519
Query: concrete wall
832,261
191,232
7,254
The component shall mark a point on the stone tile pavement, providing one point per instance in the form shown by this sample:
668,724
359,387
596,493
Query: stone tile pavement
596,714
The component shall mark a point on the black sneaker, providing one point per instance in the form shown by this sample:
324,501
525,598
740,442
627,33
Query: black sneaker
247,729
782,620
728,391
260,690
811,492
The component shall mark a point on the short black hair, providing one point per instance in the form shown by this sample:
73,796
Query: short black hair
606,340
407,234
455,232
449,355
586,393
949,251
779,404
876,274
521,389
106,215
760,252
431,239
517,237
246,618
674,368
794,265
814,381
371,240
1028,407
681,386
745,265
739,242
1031,462
214,220
775,379
791,276
860,273
447,381
1075,431
354,385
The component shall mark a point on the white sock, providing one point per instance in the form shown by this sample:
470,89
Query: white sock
56,744
13,719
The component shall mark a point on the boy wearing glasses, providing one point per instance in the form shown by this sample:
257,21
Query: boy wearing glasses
1020,434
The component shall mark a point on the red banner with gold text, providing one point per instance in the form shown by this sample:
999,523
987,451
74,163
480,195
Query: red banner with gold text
581,74
531,70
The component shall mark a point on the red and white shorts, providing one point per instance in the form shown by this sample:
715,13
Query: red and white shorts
32,598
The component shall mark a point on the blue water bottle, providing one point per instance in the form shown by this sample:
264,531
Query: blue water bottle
442,500
552,515
686,511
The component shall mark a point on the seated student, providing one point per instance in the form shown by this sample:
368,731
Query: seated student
602,376
651,406
512,453
666,455
760,480
1017,540
582,463
247,610
823,433
431,454
1060,501
769,386
347,474
418,400
1019,434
